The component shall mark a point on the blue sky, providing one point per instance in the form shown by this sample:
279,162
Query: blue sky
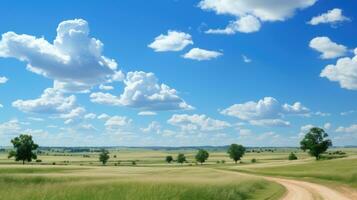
176,73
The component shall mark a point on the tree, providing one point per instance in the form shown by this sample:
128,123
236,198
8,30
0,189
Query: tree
104,156
169,159
181,158
24,147
201,156
292,156
236,152
316,142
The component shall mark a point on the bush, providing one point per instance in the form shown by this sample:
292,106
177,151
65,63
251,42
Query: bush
133,163
223,161
254,160
292,156
38,160
218,162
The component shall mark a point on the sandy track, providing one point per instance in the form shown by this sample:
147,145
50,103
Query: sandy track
301,190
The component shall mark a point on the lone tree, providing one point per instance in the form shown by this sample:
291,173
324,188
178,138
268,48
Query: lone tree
181,158
104,156
236,152
169,159
201,156
316,142
292,156
24,148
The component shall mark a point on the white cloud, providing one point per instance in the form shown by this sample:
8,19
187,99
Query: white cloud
350,129
330,17
347,112
328,48
3,79
154,127
143,91
103,116
201,54
246,24
106,87
270,122
36,119
344,72
74,59
147,113
327,126
173,41
50,102
1,106
265,112
246,59
249,13
197,122
11,127
90,116
116,122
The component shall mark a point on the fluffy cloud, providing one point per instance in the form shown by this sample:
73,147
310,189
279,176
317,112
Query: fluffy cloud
265,112
117,122
11,127
250,12
90,116
154,127
330,17
173,41
103,116
106,87
50,102
147,113
74,59
246,59
328,48
350,129
246,24
3,79
344,72
201,54
143,91
197,123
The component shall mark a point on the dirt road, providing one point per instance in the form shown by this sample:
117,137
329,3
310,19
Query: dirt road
301,190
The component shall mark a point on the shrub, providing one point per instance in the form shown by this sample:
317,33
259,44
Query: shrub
292,156
38,160
254,160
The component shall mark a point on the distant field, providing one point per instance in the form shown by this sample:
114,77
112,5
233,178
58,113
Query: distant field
131,183
79,175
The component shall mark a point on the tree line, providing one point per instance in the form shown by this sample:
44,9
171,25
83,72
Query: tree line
315,143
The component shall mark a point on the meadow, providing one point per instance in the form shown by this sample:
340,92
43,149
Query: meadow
133,174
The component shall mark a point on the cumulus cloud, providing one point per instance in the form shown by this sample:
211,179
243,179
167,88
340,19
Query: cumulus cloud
116,122
3,79
197,122
249,13
74,59
90,116
10,127
246,24
103,116
50,102
344,72
143,91
349,129
265,112
333,16
173,41
328,48
154,127
246,59
147,113
106,87
201,54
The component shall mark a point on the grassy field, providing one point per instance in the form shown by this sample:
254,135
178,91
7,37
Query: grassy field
65,175
131,183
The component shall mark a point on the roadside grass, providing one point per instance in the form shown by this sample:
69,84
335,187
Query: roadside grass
337,170
136,183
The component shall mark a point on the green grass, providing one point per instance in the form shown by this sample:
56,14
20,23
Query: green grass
337,170
133,183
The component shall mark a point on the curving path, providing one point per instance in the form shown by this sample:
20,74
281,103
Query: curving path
301,190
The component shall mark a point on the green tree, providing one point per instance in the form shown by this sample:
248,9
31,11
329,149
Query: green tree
169,159
316,142
24,147
236,152
104,156
201,156
292,156
181,158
